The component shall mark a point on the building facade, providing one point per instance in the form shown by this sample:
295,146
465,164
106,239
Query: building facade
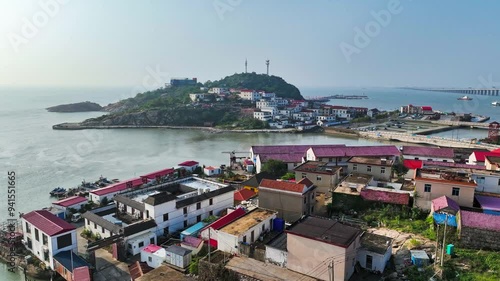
428,189
379,168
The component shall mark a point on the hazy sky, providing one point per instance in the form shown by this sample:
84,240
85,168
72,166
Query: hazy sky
319,43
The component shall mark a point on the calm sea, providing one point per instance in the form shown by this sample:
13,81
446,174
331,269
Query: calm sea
44,158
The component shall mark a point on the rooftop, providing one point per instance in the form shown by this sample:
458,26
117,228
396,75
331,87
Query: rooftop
225,220
178,250
325,230
480,220
244,223
376,243
164,273
493,159
244,194
287,149
189,163
413,164
375,150
70,260
385,195
452,165
488,203
119,186
317,167
151,248
442,152
358,178
445,204
278,242
191,241
264,271
445,177
300,187
377,161
70,201
47,222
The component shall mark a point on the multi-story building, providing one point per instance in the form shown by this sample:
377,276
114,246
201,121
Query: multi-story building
183,82
250,95
46,235
267,95
217,90
379,168
291,200
262,115
323,176
266,104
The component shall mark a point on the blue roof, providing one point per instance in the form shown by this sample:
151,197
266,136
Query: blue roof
193,229
64,258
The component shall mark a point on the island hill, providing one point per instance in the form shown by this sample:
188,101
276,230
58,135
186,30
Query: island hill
228,103
76,107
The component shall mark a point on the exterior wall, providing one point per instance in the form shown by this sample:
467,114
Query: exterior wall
289,205
376,171
97,198
134,241
323,182
95,228
66,209
479,238
438,189
276,256
179,261
379,261
428,158
305,255
487,183
156,260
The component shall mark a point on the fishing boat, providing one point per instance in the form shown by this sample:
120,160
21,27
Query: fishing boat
495,103
58,191
464,98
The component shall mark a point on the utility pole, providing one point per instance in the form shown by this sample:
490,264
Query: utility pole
437,243
209,244
444,240
330,271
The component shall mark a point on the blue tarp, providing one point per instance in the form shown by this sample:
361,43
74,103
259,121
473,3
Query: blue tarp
491,212
439,218
193,230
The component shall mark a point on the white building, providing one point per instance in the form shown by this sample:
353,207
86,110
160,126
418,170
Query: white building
276,252
111,190
486,181
137,242
266,104
217,90
267,95
263,115
375,251
189,165
178,256
209,232
246,229
153,255
197,97
250,95
212,171
45,235
73,202
281,101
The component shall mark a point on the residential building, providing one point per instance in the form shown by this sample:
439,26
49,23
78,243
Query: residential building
212,171
153,255
46,235
323,176
374,252
492,162
246,229
254,182
197,97
372,112
313,242
438,154
189,165
268,95
431,184
111,190
379,168
262,115
291,200
339,155
209,232
250,95
217,90
73,202
193,230
478,157
266,104
486,181
478,230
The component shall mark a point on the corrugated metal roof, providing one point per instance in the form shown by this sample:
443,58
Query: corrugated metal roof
47,222
178,250
70,201
442,152
385,196
444,202
480,220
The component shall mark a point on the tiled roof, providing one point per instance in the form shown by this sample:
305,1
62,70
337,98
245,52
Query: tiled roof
305,181
480,220
211,168
151,248
426,108
191,241
138,269
189,163
287,149
283,185
376,150
488,202
227,219
119,186
444,202
287,158
413,164
159,173
244,194
385,196
442,152
48,222
453,165
70,201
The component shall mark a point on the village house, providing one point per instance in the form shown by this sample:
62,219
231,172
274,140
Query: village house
111,190
250,95
314,244
197,97
73,202
374,252
339,155
438,154
212,171
291,200
479,230
486,181
209,232
323,176
46,235
189,165
245,229
379,168
478,157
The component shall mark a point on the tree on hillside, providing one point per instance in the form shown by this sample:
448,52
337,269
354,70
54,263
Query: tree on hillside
276,168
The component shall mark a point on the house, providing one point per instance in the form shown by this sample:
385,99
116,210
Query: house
250,95
374,252
253,182
46,235
488,182
245,229
444,210
478,230
291,200
489,204
478,157
339,155
178,256
379,168
276,252
248,165
492,162
315,243
373,112
73,202
438,154
431,184
212,171
325,177
243,195
111,190
190,165
209,233
197,97
192,243
71,266
153,255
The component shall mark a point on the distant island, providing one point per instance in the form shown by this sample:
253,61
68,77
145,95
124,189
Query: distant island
228,103
76,107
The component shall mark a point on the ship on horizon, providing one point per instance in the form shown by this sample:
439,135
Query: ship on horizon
465,98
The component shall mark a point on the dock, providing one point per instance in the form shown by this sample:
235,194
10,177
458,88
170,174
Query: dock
465,91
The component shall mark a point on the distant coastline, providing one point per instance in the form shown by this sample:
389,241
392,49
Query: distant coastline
86,106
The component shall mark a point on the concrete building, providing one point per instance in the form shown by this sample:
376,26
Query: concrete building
189,165
379,168
46,235
323,176
250,95
153,255
438,154
276,252
431,184
212,171
178,256
246,229
314,244
375,251
339,155
291,200
197,97
73,202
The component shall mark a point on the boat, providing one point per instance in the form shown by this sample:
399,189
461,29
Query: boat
58,191
495,103
464,98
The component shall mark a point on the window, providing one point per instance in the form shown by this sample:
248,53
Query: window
198,205
95,225
37,237
455,191
165,217
427,187
46,256
30,244
244,239
369,261
382,170
88,222
330,159
368,168
28,228
147,214
103,229
416,158
252,236
186,223
498,181
318,178
263,227
303,175
141,244
305,200
481,180
64,241
211,213
150,259
185,211
354,167
44,239
211,201
152,240
198,218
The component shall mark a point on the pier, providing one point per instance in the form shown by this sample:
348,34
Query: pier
467,91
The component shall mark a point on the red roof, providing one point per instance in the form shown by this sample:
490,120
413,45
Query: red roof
159,173
192,241
248,162
244,194
481,155
480,220
443,152
413,164
305,181
210,168
444,202
151,248
189,163
350,151
427,108
47,222
227,219
284,185
385,196
81,273
70,201
496,150
117,187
